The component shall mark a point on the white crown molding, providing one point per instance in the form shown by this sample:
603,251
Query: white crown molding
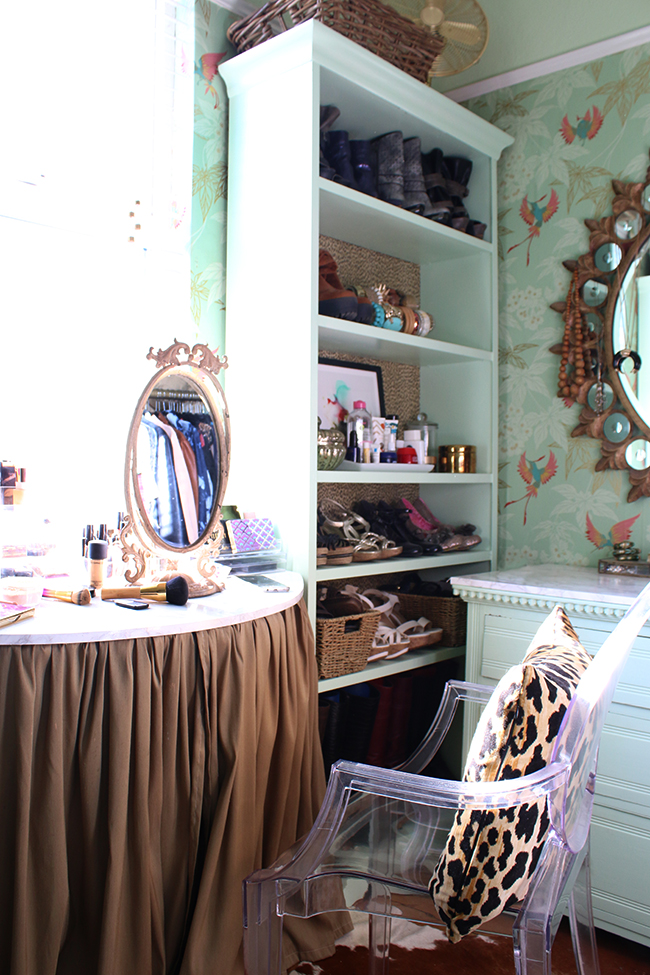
582,55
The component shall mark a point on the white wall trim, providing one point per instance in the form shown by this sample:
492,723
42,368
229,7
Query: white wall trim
581,55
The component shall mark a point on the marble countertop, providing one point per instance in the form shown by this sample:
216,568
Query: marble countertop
559,582
59,622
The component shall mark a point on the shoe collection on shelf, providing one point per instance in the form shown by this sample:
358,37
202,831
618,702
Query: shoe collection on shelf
381,165
371,532
374,304
395,169
381,721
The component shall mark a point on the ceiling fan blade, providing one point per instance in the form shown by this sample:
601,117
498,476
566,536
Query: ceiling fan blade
468,34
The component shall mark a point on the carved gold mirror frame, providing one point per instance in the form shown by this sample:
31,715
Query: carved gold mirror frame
594,372
146,553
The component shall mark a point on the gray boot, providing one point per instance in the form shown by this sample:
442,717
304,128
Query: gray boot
390,167
415,193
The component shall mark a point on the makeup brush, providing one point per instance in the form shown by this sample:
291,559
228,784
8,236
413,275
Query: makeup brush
173,591
80,598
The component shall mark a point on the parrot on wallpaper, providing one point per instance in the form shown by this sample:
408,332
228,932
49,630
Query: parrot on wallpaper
534,476
620,532
535,216
585,127
206,68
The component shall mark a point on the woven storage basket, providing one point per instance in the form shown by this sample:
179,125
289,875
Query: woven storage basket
343,643
449,612
371,24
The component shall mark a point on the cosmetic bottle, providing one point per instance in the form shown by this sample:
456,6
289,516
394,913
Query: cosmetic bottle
97,553
353,453
413,438
359,422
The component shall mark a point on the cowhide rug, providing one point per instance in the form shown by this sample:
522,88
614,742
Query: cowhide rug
420,950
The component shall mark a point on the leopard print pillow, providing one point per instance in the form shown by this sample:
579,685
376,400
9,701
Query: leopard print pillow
490,856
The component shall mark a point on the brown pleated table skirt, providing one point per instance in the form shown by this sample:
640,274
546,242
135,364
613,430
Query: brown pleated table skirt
140,781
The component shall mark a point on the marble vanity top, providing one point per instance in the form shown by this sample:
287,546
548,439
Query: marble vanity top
59,622
546,585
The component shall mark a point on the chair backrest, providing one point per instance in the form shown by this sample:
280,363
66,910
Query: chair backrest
579,735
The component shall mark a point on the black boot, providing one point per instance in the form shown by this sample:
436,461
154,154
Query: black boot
435,182
458,171
328,116
364,165
415,195
337,153
390,167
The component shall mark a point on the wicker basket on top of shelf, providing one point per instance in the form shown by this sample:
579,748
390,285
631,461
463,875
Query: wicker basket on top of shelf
343,643
449,612
371,24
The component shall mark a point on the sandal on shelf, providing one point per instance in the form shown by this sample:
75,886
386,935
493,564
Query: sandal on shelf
367,545
388,642
419,633
371,547
332,550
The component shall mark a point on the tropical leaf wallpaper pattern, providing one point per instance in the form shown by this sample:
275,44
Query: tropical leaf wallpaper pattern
574,132
209,176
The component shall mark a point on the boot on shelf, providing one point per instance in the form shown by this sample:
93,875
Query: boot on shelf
328,116
364,166
337,153
333,299
390,167
435,182
415,194
458,171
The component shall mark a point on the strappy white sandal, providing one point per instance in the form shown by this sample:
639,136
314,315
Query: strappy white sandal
419,633
388,639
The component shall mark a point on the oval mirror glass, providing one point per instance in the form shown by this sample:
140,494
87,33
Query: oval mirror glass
177,461
631,331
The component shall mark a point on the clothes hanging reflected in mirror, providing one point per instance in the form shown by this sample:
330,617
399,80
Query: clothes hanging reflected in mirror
177,462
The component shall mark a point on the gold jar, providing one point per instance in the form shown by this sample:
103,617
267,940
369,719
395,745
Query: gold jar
457,459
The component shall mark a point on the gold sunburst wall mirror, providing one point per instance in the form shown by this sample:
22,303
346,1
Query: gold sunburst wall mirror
605,349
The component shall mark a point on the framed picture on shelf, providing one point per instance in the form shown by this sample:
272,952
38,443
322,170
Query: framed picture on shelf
340,384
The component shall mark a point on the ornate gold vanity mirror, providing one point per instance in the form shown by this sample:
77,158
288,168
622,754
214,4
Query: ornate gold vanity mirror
605,351
176,471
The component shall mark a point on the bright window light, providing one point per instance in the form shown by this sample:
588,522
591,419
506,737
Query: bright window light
95,201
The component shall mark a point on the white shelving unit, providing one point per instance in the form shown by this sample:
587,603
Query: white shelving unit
277,207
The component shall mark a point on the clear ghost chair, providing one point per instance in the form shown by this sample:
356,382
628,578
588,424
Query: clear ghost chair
377,838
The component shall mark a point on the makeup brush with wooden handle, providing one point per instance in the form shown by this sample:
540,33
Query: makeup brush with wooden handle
173,591
79,598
